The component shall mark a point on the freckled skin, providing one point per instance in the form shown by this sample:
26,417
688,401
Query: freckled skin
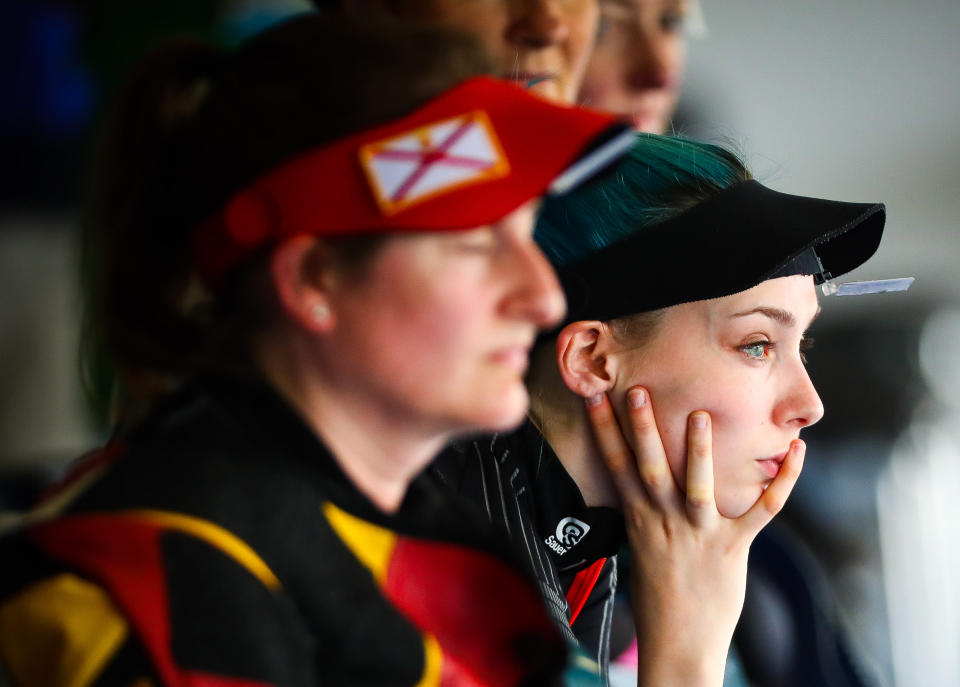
440,324
759,399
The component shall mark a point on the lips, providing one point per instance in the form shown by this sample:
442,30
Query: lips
771,466
514,357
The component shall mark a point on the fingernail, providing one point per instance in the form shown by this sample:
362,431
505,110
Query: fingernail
637,398
594,401
699,420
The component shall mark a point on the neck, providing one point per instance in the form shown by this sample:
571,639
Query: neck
564,424
378,447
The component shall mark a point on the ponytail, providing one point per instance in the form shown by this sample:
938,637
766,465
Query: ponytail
136,259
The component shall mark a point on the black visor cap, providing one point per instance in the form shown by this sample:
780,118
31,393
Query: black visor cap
735,240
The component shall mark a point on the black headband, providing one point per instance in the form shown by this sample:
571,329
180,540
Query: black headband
731,242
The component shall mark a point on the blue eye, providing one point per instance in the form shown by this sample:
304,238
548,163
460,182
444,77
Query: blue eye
757,350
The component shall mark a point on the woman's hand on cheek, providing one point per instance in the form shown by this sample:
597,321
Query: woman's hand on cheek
688,563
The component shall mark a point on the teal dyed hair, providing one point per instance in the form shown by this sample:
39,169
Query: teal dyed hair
660,177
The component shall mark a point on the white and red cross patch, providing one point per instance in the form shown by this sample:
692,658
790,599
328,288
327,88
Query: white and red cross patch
433,159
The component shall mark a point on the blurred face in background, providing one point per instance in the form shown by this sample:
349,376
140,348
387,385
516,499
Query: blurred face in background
637,64
546,42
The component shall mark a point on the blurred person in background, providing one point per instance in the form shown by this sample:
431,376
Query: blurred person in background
636,68
542,44
299,328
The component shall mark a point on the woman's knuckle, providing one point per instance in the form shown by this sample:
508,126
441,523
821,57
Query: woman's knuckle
669,529
637,517
652,479
699,451
618,460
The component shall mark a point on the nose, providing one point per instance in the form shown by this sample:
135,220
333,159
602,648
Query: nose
537,296
649,63
536,24
801,405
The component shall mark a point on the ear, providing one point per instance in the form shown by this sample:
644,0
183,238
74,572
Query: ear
584,365
297,269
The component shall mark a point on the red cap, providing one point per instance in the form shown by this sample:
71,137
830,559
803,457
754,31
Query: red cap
465,159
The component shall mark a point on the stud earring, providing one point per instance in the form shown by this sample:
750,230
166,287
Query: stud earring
319,312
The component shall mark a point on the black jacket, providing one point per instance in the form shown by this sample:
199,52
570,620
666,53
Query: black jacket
220,540
521,486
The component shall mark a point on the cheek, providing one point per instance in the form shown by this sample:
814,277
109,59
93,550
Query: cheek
601,77
734,414
582,24
743,432
740,422
675,60
430,327
577,49
408,327
739,407
485,22
673,434
672,407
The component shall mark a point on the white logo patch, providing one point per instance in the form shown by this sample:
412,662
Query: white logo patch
431,160
569,533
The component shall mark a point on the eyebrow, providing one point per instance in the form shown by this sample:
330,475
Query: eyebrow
778,315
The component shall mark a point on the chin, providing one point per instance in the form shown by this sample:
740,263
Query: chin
501,411
505,412
732,512
738,505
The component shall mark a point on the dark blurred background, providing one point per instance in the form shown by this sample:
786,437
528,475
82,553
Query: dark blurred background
838,98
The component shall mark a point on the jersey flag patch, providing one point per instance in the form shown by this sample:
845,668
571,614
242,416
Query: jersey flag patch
433,159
